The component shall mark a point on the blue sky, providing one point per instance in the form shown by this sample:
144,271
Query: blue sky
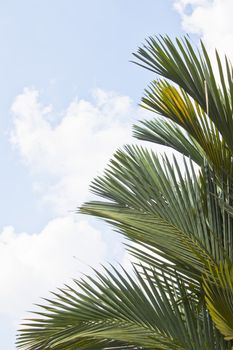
69,95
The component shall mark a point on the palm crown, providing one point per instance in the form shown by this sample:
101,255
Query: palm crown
177,218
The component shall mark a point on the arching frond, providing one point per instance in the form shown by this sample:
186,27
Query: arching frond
193,72
202,139
117,310
170,134
151,202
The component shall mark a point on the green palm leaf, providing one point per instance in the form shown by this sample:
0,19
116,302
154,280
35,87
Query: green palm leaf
151,202
202,139
117,307
168,133
193,72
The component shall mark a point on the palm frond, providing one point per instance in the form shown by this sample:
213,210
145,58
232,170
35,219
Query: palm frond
168,133
218,287
156,205
193,72
117,307
203,139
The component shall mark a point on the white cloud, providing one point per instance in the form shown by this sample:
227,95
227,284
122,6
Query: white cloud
33,264
183,5
211,19
64,157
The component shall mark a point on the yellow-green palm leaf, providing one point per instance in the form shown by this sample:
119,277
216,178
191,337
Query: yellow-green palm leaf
218,287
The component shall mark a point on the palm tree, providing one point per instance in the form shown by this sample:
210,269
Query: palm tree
177,218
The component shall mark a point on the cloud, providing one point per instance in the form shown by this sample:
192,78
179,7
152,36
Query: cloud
65,155
183,6
211,19
33,264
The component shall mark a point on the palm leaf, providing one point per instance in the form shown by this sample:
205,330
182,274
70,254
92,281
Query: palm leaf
154,205
168,133
202,139
123,310
218,286
193,72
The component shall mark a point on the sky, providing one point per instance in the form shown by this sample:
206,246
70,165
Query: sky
68,98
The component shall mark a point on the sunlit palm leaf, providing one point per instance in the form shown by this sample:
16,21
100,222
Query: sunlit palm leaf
193,72
204,137
218,286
